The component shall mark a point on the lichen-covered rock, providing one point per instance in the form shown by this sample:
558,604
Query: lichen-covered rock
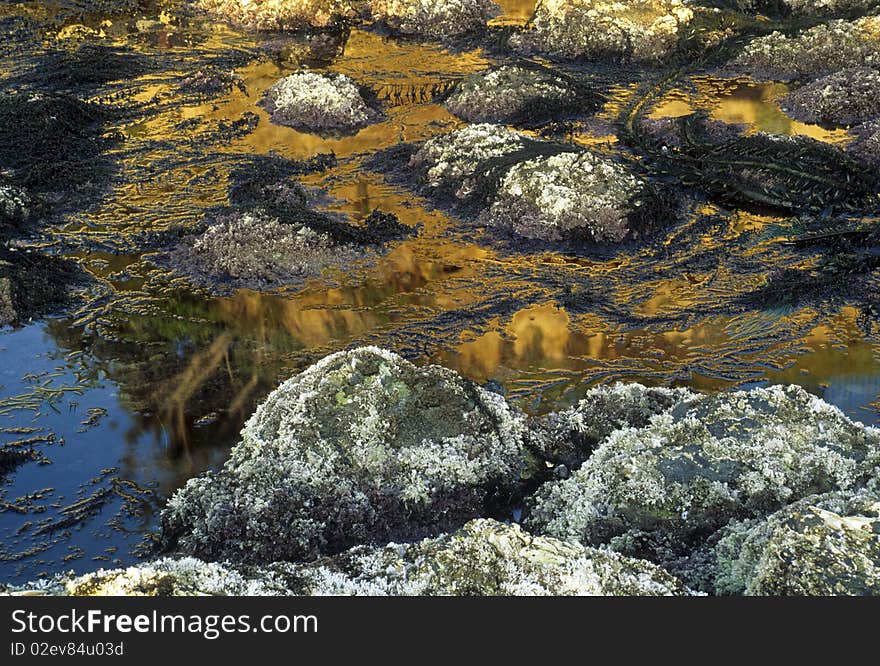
848,97
252,250
454,163
512,94
572,196
434,18
707,461
362,447
823,545
822,49
568,437
281,14
318,102
642,30
486,558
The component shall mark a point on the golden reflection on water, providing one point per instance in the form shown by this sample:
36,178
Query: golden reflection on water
514,12
742,101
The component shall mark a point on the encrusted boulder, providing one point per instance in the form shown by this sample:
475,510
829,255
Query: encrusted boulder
514,94
708,460
642,30
573,196
318,102
362,447
487,558
536,189
823,545
16,205
433,18
848,97
865,147
484,558
822,49
569,436
282,14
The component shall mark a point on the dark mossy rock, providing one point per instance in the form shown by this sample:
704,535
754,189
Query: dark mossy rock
32,284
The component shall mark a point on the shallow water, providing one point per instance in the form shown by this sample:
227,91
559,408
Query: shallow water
148,379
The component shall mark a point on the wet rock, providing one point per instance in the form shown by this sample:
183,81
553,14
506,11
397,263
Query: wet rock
573,196
318,102
210,83
848,97
823,545
32,283
643,30
484,558
705,462
569,436
435,19
282,14
517,94
822,49
815,8
362,447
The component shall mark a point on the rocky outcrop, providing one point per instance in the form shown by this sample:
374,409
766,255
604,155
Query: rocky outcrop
822,545
318,103
430,18
484,558
642,30
362,447
822,49
848,97
707,461
281,14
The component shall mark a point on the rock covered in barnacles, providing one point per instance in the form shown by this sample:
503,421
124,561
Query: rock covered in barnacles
254,250
569,436
487,558
281,14
16,205
848,97
484,558
823,545
164,577
362,447
452,163
865,147
434,18
511,94
706,461
572,196
642,30
318,102
820,50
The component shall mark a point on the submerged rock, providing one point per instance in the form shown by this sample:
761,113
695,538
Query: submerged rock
568,437
848,97
822,49
316,102
433,18
642,30
484,558
281,14
362,447
707,461
572,196
823,545
516,94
